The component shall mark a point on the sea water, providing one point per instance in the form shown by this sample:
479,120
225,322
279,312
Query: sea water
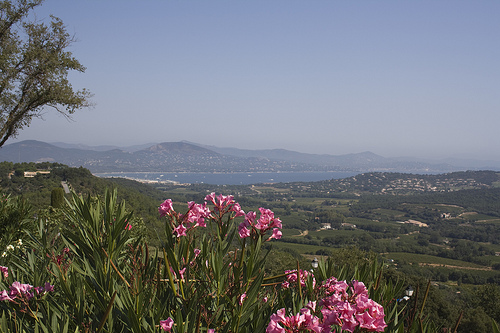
234,178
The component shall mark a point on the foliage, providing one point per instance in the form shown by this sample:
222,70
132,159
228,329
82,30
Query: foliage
92,273
14,219
142,199
57,197
34,65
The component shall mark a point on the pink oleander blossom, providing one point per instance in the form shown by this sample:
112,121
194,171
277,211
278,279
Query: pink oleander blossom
276,234
180,230
291,278
181,273
19,288
183,223
342,305
349,306
304,321
243,230
252,228
5,271
223,204
242,298
24,291
4,296
167,324
165,208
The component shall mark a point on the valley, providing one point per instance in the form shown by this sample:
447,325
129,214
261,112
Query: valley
443,228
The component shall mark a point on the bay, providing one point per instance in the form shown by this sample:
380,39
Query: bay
236,178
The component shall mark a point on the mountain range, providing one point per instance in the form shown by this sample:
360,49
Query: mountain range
193,157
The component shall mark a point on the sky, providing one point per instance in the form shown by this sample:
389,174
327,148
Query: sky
397,78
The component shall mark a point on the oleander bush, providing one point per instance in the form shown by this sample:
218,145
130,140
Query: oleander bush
93,272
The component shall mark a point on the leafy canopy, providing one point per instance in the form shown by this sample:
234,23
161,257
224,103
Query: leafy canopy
34,65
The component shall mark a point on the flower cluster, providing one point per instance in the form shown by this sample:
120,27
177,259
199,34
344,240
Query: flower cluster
63,260
165,208
224,204
259,227
197,213
195,216
291,278
11,247
24,291
343,305
349,306
304,321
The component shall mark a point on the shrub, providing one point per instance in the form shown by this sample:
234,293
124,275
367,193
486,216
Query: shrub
95,274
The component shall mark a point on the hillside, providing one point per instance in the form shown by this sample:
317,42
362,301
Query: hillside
143,200
191,157
405,183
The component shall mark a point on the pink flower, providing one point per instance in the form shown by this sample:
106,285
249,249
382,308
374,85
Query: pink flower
292,278
266,216
181,273
167,324
197,214
180,230
350,307
250,217
276,234
242,298
266,222
359,288
19,288
237,209
303,321
128,226
48,287
165,208
211,330
243,231
4,296
223,204
5,271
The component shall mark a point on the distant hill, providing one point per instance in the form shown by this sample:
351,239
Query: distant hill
102,147
191,157
394,183
365,161
163,157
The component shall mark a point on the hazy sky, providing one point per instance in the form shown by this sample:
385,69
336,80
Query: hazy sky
397,78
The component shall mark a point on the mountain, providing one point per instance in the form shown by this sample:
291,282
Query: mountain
191,157
365,161
163,157
102,147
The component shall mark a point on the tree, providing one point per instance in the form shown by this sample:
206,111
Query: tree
34,65
57,197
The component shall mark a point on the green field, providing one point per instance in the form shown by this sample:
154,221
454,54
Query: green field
424,259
